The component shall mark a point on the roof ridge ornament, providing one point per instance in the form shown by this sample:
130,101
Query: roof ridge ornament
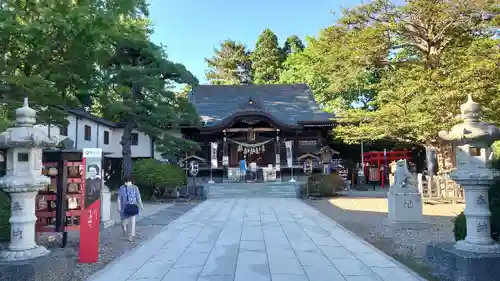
251,105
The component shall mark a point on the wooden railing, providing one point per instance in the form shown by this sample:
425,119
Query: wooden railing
440,188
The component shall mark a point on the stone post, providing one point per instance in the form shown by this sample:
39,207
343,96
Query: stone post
474,173
23,180
106,220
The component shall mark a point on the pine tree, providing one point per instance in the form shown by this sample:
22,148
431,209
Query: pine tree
292,45
266,59
230,65
141,79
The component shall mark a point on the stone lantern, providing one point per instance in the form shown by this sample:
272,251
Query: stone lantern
23,180
474,173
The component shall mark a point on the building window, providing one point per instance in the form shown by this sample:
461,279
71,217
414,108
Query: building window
88,133
134,139
63,131
106,137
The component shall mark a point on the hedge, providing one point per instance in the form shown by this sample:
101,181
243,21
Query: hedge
155,178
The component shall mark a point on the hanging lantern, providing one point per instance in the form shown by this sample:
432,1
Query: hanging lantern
263,148
240,148
245,151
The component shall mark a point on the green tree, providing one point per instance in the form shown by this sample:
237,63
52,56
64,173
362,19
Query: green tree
340,73
230,64
292,45
52,50
266,59
411,64
141,96
436,53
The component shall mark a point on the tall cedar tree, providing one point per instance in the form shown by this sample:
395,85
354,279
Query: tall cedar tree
293,45
52,51
142,77
266,59
231,64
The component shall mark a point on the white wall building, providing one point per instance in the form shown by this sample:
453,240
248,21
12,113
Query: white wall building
89,131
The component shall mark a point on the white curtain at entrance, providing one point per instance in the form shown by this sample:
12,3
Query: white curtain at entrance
214,154
289,159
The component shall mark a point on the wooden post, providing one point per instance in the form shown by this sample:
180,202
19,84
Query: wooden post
225,156
439,180
277,156
420,183
429,186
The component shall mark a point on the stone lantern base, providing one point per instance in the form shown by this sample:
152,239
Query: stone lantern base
450,264
463,245
10,255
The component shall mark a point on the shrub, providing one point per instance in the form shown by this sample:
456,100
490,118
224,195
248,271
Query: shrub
325,185
313,182
331,184
155,178
460,229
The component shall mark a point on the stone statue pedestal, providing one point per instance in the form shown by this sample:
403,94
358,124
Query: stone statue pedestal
405,210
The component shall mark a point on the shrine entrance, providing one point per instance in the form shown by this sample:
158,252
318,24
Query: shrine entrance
254,140
269,124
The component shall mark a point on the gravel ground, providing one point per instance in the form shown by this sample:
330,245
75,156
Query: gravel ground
365,217
61,264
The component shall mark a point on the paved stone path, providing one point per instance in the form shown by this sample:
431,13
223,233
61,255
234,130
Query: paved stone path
255,239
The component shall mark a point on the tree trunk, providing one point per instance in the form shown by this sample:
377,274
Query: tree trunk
126,137
126,150
444,156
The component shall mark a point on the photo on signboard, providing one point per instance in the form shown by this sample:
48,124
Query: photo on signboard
93,181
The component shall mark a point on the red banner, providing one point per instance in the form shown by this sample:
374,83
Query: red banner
91,214
89,233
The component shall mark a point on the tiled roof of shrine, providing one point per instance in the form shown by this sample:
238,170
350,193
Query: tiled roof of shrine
291,104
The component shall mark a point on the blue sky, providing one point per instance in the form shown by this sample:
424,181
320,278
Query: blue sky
192,28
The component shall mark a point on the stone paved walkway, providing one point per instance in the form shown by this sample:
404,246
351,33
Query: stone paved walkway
258,240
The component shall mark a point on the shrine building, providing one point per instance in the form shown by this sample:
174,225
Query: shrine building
277,126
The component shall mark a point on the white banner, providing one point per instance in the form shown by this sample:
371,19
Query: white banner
289,159
214,154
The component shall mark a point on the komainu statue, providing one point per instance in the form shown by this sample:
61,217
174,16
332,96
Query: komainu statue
402,177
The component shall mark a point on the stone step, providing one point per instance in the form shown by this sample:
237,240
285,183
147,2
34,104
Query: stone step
253,190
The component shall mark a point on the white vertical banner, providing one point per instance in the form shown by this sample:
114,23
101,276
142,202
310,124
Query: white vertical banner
289,159
214,154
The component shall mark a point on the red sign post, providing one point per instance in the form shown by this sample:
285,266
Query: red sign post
90,217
